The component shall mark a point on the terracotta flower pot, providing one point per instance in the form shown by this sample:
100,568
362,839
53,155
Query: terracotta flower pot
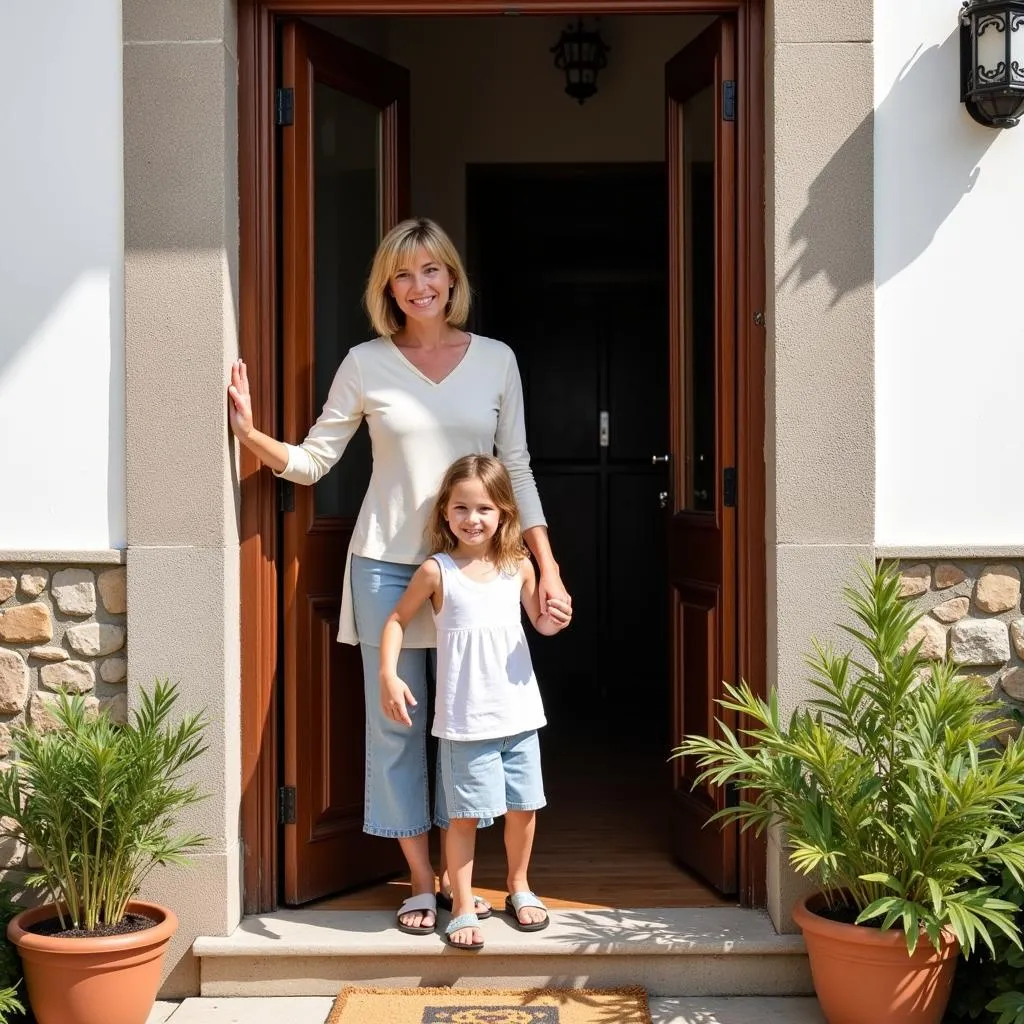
863,975
110,980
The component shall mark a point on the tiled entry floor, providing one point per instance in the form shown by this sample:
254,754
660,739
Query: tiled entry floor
314,1010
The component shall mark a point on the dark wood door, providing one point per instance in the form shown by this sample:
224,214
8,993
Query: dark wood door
700,470
594,370
344,180
589,330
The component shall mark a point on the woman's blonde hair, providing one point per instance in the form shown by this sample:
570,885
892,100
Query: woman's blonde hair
396,248
507,547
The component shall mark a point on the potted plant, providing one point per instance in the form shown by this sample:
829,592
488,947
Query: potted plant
891,793
96,802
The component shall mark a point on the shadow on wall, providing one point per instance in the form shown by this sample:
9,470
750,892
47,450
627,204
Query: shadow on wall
920,149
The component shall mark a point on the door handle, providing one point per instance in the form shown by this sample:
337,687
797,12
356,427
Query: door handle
662,499
658,459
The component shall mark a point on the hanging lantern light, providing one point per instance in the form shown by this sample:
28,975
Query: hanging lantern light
992,61
581,53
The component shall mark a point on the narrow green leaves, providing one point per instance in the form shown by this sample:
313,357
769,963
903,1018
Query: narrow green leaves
887,782
98,802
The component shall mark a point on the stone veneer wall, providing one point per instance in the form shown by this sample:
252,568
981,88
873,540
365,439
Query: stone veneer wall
61,628
974,615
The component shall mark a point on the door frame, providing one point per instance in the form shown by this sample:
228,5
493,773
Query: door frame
258,316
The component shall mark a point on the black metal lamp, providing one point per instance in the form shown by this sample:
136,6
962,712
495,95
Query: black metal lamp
992,61
581,53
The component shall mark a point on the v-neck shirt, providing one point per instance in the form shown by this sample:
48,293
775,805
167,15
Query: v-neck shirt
419,372
418,427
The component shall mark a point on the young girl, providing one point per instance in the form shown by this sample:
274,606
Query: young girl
488,707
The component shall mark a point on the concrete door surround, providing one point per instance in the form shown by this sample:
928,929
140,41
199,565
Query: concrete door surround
186,297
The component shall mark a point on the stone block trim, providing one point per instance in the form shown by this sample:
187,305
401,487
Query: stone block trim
62,627
973,615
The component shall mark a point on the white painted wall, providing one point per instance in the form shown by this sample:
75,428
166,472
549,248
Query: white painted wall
61,268
949,224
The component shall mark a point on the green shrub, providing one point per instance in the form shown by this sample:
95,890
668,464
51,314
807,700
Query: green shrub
11,1008
989,986
887,785
97,802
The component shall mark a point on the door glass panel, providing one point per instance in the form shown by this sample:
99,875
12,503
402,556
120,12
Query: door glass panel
346,229
699,300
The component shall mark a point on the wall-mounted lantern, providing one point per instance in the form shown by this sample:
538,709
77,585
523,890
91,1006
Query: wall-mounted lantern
581,53
992,61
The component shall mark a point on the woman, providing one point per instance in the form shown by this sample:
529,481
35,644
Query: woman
430,393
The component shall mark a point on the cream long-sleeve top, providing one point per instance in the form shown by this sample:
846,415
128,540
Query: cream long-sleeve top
418,428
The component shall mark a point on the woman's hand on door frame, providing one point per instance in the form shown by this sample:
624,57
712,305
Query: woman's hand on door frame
240,401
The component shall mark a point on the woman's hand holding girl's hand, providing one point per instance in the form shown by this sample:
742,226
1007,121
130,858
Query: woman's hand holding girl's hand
555,602
240,403
395,699
555,619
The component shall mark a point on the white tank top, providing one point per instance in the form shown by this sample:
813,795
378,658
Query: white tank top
486,687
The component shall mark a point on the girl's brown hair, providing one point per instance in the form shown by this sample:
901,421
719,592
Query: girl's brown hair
396,248
507,547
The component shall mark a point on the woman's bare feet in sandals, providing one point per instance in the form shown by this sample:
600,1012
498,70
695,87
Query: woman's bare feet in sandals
424,917
419,919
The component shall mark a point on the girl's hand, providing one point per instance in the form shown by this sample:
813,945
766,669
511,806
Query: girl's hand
395,698
554,599
239,401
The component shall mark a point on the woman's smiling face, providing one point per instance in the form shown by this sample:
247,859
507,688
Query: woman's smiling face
421,286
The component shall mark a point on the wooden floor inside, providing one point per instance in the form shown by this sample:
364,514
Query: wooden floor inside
602,841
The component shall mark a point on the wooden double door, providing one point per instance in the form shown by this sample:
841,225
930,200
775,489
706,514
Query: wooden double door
662,361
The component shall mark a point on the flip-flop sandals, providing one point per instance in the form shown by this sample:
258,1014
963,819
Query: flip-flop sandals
517,901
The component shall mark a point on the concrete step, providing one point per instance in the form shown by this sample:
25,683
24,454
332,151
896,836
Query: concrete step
297,1010
716,951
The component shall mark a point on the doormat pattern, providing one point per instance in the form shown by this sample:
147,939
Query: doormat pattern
490,1006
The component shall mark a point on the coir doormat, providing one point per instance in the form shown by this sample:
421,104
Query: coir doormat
490,1006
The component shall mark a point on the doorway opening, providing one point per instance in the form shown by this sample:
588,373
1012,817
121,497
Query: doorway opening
562,214
324,136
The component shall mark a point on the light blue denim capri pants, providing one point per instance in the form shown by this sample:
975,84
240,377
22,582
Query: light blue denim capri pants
396,800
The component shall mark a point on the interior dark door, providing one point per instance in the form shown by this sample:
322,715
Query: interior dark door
590,341
700,490
344,178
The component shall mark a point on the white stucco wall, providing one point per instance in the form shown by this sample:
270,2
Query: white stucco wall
61,291
949,223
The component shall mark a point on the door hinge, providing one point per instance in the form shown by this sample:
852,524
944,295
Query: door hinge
285,496
284,107
286,805
729,101
729,486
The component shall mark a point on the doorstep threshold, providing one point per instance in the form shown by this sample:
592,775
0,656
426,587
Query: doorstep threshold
675,931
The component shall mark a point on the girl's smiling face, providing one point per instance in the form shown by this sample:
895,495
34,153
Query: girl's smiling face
472,515
421,286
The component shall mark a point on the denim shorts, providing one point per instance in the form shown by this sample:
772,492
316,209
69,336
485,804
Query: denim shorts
396,797
486,778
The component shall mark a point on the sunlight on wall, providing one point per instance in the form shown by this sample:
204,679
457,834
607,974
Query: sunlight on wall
949,330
